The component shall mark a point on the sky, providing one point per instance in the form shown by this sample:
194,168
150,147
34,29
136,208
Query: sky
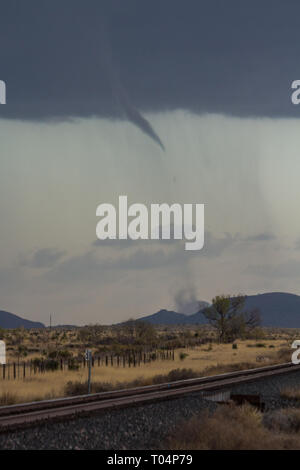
213,80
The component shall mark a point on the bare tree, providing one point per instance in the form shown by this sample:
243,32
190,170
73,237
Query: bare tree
227,316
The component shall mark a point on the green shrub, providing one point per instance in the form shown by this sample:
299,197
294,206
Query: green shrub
73,364
51,364
45,364
182,356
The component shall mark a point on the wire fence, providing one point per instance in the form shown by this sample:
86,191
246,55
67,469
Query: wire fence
23,369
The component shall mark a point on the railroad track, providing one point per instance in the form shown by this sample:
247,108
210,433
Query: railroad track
28,414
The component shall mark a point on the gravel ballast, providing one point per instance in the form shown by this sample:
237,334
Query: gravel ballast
142,427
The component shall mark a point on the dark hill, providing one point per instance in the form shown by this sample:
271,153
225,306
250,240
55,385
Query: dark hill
9,320
166,317
277,309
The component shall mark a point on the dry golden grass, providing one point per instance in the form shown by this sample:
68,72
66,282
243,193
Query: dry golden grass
229,428
217,360
283,420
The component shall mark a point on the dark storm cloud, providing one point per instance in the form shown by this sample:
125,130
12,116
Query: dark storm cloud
119,92
129,243
88,267
43,258
213,245
261,237
140,255
208,56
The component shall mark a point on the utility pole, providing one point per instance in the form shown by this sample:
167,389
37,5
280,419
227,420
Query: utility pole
88,358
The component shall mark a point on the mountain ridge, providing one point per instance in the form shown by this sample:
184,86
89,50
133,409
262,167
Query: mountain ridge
277,309
10,320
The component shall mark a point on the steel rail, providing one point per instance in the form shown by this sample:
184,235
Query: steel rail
26,414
